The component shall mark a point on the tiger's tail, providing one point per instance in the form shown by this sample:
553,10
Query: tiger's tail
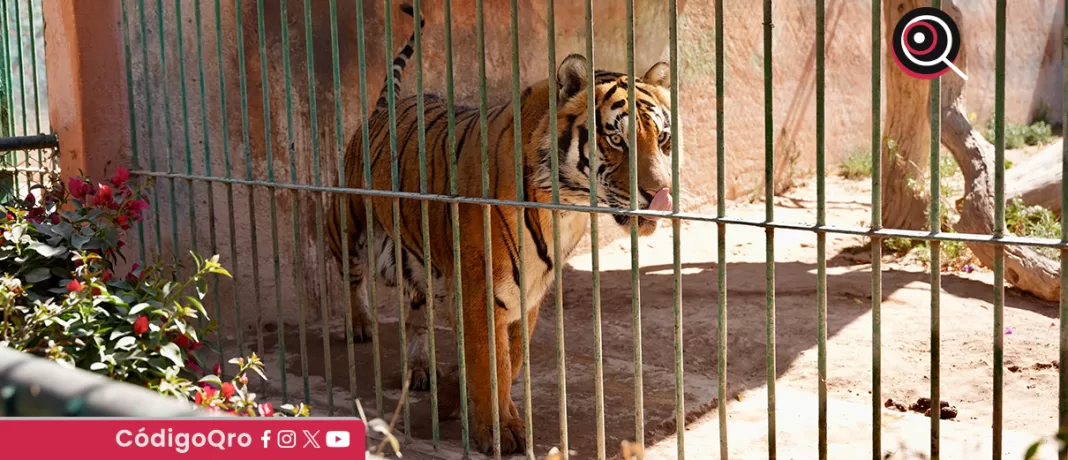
399,62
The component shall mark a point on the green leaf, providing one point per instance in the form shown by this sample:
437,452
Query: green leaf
78,241
63,229
126,343
202,288
48,251
200,307
38,274
1033,450
98,366
173,353
138,308
117,334
211,378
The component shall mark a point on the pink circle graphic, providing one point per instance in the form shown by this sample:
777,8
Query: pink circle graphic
934,38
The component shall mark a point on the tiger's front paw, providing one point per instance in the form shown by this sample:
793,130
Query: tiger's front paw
513,436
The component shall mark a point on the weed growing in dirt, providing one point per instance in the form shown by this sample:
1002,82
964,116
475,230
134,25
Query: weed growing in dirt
856,166
1019,135
1034,221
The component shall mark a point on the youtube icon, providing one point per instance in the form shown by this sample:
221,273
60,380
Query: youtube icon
338,439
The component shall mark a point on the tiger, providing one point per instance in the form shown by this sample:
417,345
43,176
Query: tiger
577,151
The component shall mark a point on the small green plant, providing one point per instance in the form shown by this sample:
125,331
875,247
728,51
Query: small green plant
1061,439
1034,221
234,397
1018,135
856,166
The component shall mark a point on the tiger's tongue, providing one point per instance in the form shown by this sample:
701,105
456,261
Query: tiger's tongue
661,202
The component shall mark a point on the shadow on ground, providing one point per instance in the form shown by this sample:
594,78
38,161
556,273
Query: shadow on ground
849,297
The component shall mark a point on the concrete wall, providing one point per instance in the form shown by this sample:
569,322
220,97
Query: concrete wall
1034,80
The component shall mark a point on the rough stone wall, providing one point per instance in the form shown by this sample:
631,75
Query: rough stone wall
1034,80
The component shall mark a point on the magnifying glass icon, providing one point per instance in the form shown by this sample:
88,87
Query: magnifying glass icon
926,41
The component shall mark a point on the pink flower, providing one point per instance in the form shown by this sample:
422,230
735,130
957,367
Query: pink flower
54,218
265,410
103,196
74,286
30,199
205,396
121,176
192,365
182,341
106,276
134,209
141,325
134,276
217,369
76,188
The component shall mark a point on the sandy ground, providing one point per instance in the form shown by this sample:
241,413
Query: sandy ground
966,348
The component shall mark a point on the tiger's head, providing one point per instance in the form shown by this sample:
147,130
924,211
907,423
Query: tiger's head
611,145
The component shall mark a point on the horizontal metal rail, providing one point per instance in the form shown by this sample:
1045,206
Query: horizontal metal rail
36,387
846,230
38,141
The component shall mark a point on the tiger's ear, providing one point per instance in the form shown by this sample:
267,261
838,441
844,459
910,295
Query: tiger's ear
659,74
571,77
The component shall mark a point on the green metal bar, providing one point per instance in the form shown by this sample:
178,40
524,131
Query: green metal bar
344,210
936,259
248,164
151,121
167,125
769,212
134,159
204,127
22,74
9,92
298,265
519,196
1062,371
395,186
876,224
371,271
999,231
36,84
268,148
676,229
235,269
480,32
558,275
284,18
721,229
591,120
455,208
317,177
5,76
821,219
635,282
425,221
273,197
185,132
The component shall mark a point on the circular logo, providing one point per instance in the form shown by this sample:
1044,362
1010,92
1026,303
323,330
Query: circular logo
926,42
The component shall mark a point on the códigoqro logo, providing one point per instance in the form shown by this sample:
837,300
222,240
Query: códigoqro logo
925,44
223,438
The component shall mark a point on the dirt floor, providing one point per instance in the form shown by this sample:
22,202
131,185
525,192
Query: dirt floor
966,347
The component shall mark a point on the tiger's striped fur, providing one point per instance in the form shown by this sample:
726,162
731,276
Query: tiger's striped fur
539,256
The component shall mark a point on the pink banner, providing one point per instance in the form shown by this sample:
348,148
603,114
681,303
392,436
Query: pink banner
201,438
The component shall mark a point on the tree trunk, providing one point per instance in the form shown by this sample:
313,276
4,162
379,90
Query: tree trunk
1025,268
908,125
1037,180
